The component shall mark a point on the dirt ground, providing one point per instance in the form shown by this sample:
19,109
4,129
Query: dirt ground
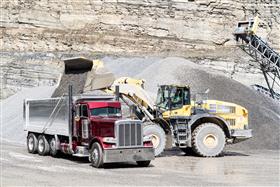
252,168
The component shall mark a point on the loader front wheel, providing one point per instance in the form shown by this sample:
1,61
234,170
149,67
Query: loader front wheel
158,137
208,140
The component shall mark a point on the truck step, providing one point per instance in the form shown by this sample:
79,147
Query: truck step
81,151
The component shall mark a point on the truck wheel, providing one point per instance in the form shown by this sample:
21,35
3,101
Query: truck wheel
43,145
143,163
53,150
208,140
158,137
96,155
32,143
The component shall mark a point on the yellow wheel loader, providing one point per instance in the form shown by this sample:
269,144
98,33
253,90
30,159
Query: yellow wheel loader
205,126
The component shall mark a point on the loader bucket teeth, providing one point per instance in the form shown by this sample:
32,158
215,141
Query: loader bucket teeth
77,65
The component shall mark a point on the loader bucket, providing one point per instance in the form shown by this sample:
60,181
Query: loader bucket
77,65
84,75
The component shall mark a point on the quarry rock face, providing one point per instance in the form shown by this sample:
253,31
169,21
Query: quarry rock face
135,27
199,30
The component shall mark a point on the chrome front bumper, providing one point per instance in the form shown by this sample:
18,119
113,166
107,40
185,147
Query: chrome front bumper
128,155
239,135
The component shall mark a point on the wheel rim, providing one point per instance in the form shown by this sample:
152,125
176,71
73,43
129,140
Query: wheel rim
210,141
155,141
41,145
95,156
30,144
52,145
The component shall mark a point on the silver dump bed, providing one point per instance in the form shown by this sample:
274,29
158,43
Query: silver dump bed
51,116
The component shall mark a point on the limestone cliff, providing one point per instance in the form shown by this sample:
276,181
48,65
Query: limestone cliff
132,26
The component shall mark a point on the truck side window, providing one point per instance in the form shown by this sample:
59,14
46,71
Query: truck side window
84,111
77,110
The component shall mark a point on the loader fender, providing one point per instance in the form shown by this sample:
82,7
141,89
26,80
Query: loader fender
198,119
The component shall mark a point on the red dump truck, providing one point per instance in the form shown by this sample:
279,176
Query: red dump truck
85,126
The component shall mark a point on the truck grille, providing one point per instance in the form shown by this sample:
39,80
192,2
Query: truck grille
129,133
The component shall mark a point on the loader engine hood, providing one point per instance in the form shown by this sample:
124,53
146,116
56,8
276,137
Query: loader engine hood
235,115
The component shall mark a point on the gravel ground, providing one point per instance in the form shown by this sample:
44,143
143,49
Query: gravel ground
236,168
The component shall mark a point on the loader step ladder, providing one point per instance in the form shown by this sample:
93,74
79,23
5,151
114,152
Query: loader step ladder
181,133
267,58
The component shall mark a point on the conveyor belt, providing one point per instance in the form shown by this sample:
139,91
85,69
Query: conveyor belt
267,58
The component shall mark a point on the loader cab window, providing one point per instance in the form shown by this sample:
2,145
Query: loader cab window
176,96
173,97
162,98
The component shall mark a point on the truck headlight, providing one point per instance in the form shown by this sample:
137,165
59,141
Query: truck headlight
109,140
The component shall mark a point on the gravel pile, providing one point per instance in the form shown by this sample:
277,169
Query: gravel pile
12,123
264,112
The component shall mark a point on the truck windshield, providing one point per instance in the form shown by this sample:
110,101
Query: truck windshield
106,111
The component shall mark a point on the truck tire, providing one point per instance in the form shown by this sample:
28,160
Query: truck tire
43,145
96,155
53,150
208,140
158,137
143,163
32,143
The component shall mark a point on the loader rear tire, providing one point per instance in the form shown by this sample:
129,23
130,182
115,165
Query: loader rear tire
43,145
208,140
32,143
158,137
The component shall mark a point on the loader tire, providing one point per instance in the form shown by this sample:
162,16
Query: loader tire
32,143
43,145
96,155
158,137
208,140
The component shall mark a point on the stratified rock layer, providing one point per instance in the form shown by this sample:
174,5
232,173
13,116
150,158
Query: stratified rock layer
169,27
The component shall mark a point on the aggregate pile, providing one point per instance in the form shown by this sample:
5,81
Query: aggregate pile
11,118
264,113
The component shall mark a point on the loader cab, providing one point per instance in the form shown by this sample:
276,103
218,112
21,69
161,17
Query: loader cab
173,98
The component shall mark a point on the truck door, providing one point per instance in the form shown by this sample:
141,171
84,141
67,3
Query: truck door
82,122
